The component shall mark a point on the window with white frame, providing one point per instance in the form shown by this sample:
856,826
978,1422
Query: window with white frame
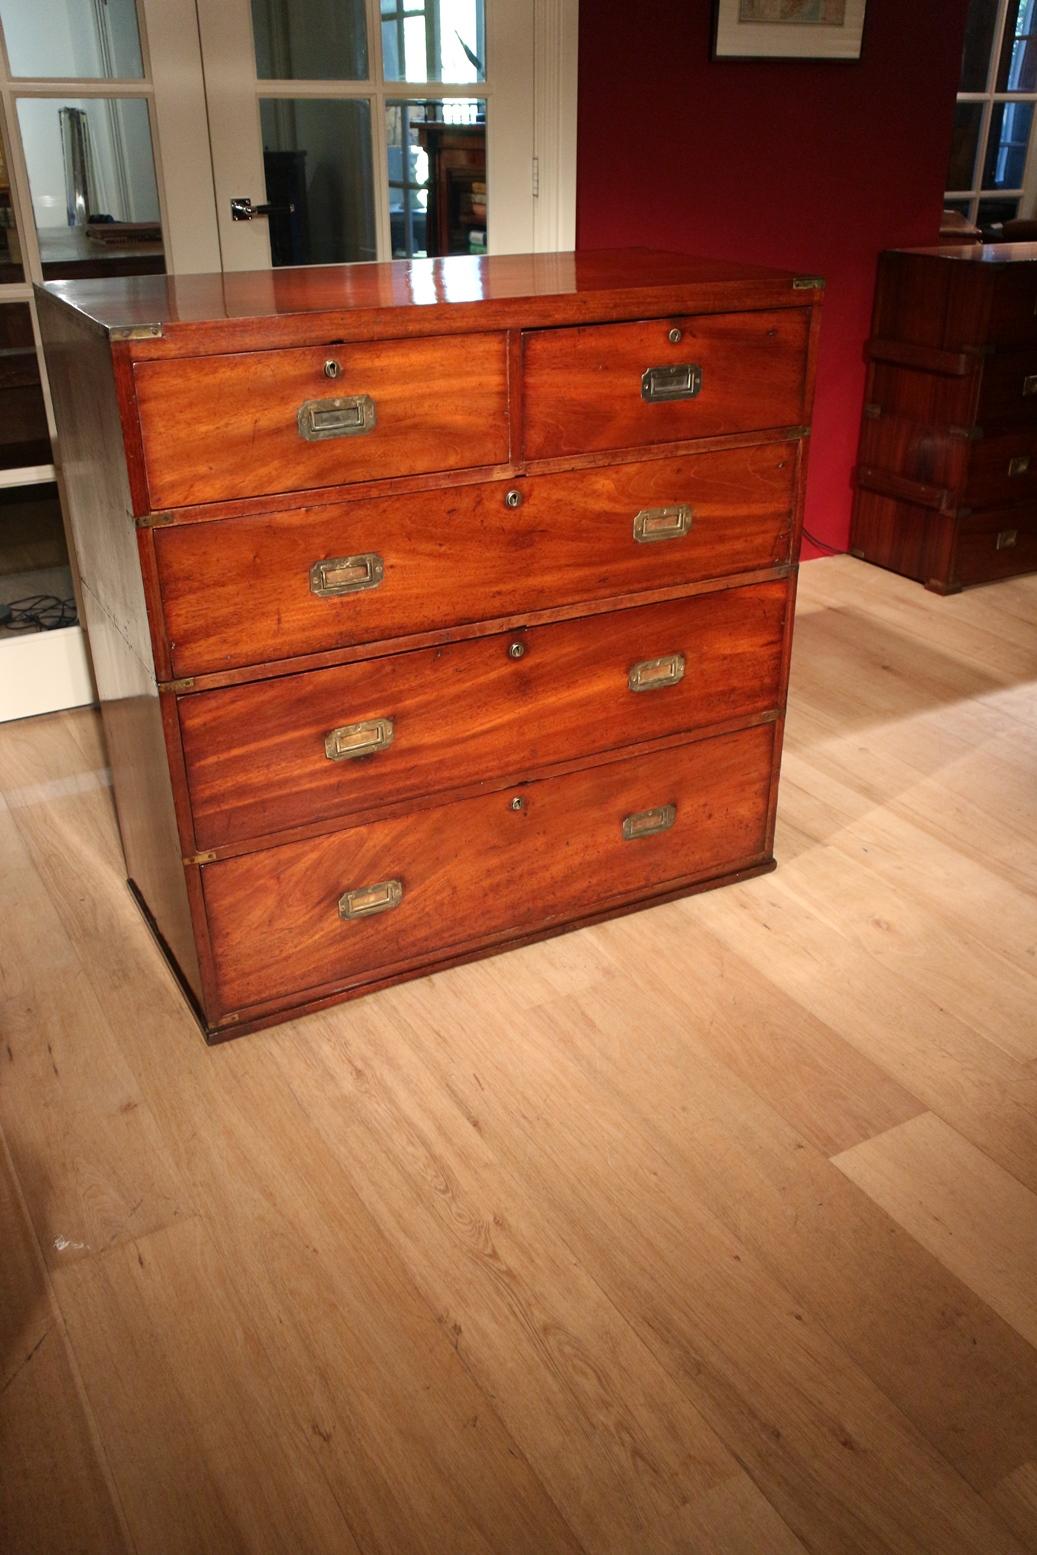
992,176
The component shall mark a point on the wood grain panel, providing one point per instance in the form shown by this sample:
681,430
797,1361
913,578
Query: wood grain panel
226,426
583,386
256,759
480,868
238,592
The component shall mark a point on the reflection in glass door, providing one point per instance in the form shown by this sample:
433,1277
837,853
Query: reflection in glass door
324,152
79,197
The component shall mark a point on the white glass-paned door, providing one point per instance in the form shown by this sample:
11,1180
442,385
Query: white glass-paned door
345,130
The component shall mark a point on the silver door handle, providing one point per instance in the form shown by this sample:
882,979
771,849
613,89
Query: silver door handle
244,210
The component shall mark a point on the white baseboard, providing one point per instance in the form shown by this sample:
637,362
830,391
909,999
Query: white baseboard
42,672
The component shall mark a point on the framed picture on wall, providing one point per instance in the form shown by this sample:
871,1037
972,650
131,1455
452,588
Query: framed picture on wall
788,29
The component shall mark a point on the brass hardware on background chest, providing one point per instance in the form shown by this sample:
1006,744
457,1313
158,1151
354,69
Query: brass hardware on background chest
367,901
1030,386
656,674
670,523
347,417
1020,465
1006,539
649,823
346,574
360,739
659,384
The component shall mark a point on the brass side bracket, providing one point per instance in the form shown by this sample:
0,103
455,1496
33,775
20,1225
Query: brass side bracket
200,858
807,283
177,685
153,520
135,332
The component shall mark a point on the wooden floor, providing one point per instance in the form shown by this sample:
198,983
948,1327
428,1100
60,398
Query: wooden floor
713,1229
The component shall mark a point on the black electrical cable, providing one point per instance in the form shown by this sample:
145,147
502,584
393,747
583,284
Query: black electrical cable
38,613
822,545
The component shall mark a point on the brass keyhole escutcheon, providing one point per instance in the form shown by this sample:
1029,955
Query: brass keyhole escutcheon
516,650
675,336
518,803
513,498
332,369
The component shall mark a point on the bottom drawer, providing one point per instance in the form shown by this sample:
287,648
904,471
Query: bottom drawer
996,545
417,886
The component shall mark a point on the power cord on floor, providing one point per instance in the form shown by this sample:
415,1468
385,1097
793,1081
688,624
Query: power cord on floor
38,613
822,545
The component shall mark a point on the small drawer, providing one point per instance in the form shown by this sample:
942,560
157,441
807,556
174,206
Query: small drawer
996,545
258,422
1008,393
662,381
279,753
1002,469
249,590
336,910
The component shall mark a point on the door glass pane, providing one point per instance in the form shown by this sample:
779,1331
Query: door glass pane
72,38
1017,67
35,581
962,170
10,248
310,40
437,177
979,38
1006,145
92,184
24,439
317,159
434,40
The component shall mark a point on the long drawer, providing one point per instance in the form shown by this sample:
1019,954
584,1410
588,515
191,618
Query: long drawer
301,748
248,590
624,385
339,909
995,545
270,421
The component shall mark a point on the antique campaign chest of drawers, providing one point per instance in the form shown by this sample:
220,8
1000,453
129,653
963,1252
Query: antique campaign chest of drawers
435,606
947,470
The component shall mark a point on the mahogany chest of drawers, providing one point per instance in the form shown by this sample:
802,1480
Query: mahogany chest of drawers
947,471
434,606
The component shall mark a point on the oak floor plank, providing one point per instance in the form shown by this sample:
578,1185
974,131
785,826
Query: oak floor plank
1015,1498
940,1189
605,1427
52,1477
810,1427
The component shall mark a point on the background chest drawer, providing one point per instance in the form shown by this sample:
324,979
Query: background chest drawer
302,748
240,591
270,421
467,872
997,545
623,385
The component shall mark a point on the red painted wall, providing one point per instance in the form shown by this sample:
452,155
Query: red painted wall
812,167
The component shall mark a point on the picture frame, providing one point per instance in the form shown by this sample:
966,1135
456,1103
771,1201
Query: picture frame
788,29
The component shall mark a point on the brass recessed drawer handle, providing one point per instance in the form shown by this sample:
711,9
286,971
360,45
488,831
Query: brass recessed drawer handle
648,823
1006,539
346,574
367,901
320,419
656,674
671,383
362,739
1030,385
662,523
1020,465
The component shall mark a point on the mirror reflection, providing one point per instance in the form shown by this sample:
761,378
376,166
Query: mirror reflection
57,38
92,185
434,40
437,177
